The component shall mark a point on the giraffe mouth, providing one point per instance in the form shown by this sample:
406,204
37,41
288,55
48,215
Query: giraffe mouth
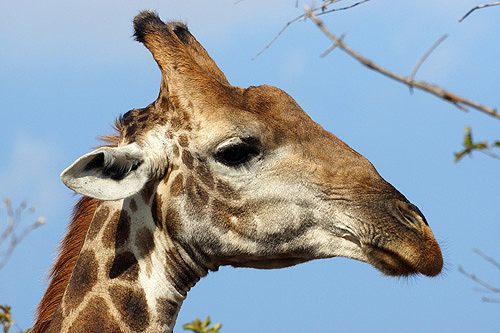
349,236
388,261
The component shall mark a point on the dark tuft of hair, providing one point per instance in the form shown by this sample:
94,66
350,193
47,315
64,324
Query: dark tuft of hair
146,22
181,30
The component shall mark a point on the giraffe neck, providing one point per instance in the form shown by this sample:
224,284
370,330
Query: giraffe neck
130,275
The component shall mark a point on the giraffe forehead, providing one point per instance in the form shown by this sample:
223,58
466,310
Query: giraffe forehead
137,123
263,111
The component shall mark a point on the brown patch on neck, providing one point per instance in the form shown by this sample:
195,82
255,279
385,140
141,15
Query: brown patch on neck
82,280
124,266
132,306
96,317
167,310
144,241
117,231
133,205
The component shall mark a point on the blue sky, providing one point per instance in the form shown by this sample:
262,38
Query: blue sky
68,69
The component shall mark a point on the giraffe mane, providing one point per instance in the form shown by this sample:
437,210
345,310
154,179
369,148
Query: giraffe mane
70,248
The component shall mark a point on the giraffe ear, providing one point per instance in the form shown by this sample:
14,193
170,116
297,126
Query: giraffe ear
108,173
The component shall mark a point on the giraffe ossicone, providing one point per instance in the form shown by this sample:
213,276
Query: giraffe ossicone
208,175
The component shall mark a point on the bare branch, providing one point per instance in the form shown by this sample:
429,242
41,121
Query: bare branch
456,100
321,11
487,258
425,56
487,287
478,7
14,218
474,278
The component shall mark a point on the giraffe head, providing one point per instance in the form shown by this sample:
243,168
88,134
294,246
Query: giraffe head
244,177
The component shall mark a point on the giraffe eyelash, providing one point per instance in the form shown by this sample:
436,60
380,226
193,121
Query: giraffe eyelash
236,152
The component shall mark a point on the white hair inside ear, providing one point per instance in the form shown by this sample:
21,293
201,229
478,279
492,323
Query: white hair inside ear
108,173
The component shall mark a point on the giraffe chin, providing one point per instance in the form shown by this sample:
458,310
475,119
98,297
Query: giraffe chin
389,262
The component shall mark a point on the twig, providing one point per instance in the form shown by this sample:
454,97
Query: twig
490,300
321,11
478,7
487,258
474,278
425,56
488,287
324,6
456,100
331,47
13,220
490,153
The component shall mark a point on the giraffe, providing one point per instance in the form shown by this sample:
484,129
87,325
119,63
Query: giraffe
209,175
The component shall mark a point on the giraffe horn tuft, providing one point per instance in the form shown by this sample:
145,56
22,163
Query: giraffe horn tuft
146,22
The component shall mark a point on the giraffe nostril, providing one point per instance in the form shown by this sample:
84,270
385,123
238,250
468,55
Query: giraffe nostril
410,215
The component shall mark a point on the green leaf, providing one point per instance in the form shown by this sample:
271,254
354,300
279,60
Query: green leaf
202,327
206,322
216,327
469,145
467,137
461,154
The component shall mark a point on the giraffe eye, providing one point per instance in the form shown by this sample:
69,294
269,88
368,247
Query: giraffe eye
236,153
